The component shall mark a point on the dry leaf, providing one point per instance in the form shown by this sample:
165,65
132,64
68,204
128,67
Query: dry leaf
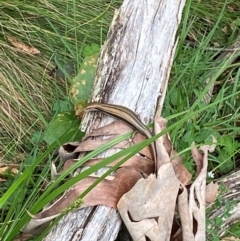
183,175
107,192
198,191
23,237
37,225
211,192
2,179
21,46
110,190
66,151
116,127
8,169
148,209
139,163
162,145
183,210
165,151
54,173
71,150
197,157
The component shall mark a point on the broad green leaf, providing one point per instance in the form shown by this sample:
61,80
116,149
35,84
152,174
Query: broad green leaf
64,122
92,49
62,105
175,98
82,83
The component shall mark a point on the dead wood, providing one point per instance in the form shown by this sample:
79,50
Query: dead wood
133,71
228,209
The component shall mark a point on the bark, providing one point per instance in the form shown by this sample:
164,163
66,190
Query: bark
133,71
227,207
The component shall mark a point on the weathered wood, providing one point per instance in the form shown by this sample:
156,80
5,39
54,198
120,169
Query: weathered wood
86,225
133,71
229,208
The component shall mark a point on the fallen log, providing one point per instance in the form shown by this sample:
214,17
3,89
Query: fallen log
133,71
225,211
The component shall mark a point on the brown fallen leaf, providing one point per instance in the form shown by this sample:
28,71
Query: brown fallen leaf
2,179
197,194
6,169
162,144
186,232
105,193
211,192
71,150
165,152
197,157
192,206
23,237
148,208
182,173
21,46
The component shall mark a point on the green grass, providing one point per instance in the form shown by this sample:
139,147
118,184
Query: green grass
30,98
58,29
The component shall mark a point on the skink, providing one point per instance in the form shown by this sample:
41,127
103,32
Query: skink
125,114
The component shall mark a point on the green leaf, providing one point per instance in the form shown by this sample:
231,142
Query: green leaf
175,97
227,164
37,137
62,105
188,137
82,83
202,135
64,123
92,49
230,145
235,229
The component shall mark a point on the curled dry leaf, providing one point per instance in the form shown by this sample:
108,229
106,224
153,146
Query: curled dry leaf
148,209
159,125
90,145
165,151
139,163
37,225
183,210
211,192
6,169
117,127
71,150
197,157
105,193
182,173
192,207
23,237
110,190
198,190
21,46
54,173
66,151
162,143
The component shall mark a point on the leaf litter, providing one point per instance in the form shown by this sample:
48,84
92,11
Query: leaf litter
149,204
